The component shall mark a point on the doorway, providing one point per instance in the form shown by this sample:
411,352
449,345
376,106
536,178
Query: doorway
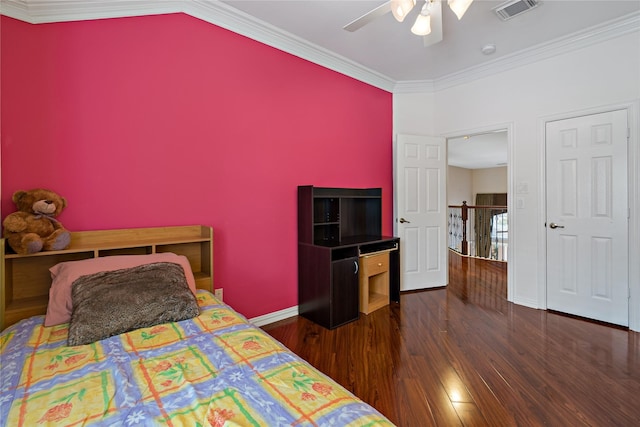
477,165
421,189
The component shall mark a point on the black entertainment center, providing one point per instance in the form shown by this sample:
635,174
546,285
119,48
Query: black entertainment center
345,265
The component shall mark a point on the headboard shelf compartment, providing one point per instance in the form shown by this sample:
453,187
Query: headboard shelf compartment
25,279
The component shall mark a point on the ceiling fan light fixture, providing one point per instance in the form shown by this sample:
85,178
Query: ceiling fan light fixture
400,8
459,7
422,26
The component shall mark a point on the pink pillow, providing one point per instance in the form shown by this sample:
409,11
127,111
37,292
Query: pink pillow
65,273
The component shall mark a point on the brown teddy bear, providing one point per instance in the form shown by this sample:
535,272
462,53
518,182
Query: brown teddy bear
34,227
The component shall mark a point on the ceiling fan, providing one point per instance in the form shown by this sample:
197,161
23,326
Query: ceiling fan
428,22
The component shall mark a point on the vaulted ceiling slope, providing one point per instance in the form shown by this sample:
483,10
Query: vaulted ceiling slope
384,53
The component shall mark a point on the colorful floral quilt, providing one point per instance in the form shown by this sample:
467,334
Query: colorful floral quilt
214,370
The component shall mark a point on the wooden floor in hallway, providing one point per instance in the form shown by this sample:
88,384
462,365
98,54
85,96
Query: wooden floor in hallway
464,356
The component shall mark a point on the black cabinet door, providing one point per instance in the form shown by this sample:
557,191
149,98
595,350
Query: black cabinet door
345,302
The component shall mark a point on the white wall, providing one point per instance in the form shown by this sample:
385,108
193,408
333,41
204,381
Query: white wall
598,76
413,113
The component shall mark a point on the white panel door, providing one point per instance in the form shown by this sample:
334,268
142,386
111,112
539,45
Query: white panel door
421,222
587,216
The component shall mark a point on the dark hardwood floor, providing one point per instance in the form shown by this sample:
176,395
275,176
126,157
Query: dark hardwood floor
463,355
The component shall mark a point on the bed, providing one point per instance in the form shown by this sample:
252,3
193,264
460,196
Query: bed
210,367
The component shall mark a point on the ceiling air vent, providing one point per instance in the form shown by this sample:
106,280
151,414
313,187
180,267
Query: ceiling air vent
515,7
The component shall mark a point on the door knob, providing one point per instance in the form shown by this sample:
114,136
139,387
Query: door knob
554,225
402,221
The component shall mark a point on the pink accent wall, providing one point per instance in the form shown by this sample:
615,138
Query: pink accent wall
169,120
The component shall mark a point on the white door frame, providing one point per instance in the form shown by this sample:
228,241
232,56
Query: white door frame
510,191
633,111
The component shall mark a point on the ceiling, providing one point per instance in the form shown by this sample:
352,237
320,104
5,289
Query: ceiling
388,47
478,151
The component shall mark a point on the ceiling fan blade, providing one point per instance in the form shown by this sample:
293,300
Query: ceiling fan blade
368,17
435,36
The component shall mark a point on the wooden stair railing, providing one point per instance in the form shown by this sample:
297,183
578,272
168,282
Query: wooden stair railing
459,218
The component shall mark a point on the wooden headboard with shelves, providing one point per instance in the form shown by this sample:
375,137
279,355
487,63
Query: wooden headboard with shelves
25,279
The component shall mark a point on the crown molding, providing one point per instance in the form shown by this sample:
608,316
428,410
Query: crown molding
48,11
222,15
413,86
581,39
212,11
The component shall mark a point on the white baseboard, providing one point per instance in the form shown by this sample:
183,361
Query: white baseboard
276,316
531,303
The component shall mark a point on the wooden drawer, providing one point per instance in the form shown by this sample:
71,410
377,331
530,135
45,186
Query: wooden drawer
374,282
375,264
